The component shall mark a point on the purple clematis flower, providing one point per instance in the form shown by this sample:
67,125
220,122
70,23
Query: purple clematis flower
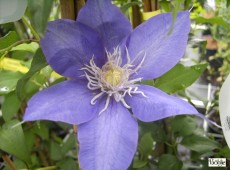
105,60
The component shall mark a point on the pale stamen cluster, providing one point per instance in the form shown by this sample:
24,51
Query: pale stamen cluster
98,78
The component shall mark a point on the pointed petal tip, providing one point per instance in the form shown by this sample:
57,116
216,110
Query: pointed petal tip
109,141
154,39
67,102
158,105
68,45
107,20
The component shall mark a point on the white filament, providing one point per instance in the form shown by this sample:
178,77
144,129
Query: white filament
126,85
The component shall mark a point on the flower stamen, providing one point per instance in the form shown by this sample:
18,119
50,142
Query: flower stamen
113,79
93,101
106,105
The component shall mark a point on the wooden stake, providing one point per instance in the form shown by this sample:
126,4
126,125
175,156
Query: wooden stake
154,5
68,9
78,5
136,17
146,5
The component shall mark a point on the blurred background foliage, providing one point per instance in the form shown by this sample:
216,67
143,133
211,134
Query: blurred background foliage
181,142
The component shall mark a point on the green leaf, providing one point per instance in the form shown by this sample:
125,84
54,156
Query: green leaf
13,140
47,71
31,47
30,139
12,10
36,82
169,162
42,130
165,5
176,9
124,8
145,145
69,144
10,106
8,81
148,82
188,4
179,77
55,151
199,143
225,152
68,164
38,13
37,64
8,39
139,164
214,20
155,128
183,125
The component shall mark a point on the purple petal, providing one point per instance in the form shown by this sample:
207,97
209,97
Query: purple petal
107,19
109,141
157,105
68,102
69,45
161,51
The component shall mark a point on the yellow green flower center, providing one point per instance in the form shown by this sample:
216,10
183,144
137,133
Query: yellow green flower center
113,76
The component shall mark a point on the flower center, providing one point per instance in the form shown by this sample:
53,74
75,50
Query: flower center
113,79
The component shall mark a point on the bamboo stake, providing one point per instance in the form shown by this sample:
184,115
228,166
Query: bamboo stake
154,5
68,9
136,17
146,5
78,5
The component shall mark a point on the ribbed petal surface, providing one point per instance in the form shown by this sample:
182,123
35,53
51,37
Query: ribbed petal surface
161,50
107,20
69,45
157,105
109,141
68,102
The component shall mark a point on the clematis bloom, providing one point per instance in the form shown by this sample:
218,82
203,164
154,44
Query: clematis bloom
105,60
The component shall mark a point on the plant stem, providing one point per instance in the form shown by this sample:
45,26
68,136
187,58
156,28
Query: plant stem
24,20
9,162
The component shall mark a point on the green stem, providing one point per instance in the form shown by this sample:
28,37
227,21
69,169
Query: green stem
18,43
173,146
31,28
